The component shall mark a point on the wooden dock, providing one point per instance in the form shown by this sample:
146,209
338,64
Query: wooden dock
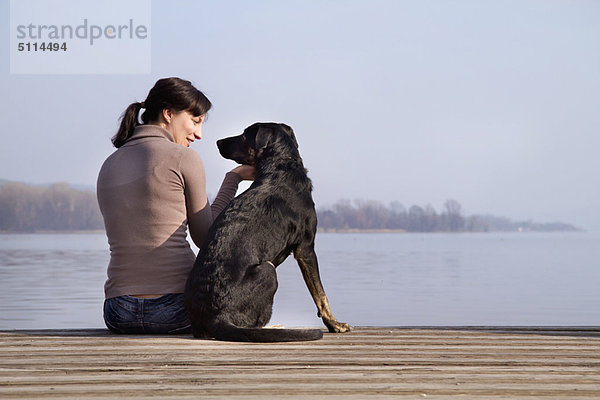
398,363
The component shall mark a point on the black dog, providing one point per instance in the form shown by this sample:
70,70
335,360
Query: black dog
229,293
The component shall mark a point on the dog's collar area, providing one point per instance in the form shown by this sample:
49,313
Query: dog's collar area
270,263
289,158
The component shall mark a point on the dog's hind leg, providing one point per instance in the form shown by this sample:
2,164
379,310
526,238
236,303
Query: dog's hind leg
307,261
252,305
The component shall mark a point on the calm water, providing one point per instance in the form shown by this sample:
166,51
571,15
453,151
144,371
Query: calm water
56,280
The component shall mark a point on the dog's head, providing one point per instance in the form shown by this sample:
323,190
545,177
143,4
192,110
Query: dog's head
259,141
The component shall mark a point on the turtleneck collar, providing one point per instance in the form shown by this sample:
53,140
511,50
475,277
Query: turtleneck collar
149,131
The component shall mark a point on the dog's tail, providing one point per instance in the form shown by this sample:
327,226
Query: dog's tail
222,330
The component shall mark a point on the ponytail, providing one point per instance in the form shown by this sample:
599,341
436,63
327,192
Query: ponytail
129,120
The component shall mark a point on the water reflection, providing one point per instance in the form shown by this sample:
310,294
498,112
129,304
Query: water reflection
51,281
56,281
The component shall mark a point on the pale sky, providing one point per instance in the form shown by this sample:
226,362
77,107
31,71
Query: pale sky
493,103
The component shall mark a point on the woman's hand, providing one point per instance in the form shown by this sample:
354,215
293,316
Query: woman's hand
247,172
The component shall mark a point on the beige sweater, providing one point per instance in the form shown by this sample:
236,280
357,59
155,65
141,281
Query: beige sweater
149,191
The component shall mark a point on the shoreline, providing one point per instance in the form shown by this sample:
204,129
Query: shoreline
357,230
54,232
319,230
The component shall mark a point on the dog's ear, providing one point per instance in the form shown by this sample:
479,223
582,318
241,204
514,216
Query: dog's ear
263,135
290,132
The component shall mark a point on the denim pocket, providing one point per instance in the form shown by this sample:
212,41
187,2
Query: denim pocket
168,314
120,315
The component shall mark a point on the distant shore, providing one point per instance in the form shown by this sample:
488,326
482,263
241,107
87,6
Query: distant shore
320,230
61,208
54,232
354,230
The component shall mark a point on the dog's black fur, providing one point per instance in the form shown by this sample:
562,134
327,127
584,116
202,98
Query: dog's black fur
229,292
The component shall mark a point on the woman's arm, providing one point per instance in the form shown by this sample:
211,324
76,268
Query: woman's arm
226,193
199,212
230,185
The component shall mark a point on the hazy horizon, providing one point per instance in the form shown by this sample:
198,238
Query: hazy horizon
494,104
356,203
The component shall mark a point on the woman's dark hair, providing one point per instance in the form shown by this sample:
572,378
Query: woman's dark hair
169,93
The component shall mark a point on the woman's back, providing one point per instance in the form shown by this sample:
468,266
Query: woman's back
141,192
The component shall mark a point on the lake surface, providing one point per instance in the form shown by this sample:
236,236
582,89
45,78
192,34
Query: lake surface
56,280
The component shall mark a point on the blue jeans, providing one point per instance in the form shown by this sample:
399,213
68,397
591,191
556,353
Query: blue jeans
165,314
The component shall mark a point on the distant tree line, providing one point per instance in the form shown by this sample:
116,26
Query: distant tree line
57,207
373,215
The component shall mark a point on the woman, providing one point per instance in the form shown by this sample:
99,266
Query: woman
150,190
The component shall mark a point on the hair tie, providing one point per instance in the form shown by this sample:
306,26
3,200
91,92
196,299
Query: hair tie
143,104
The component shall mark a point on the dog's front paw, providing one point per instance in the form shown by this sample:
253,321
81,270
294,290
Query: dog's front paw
337,327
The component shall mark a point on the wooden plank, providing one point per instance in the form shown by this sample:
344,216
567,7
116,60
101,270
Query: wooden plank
371,362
